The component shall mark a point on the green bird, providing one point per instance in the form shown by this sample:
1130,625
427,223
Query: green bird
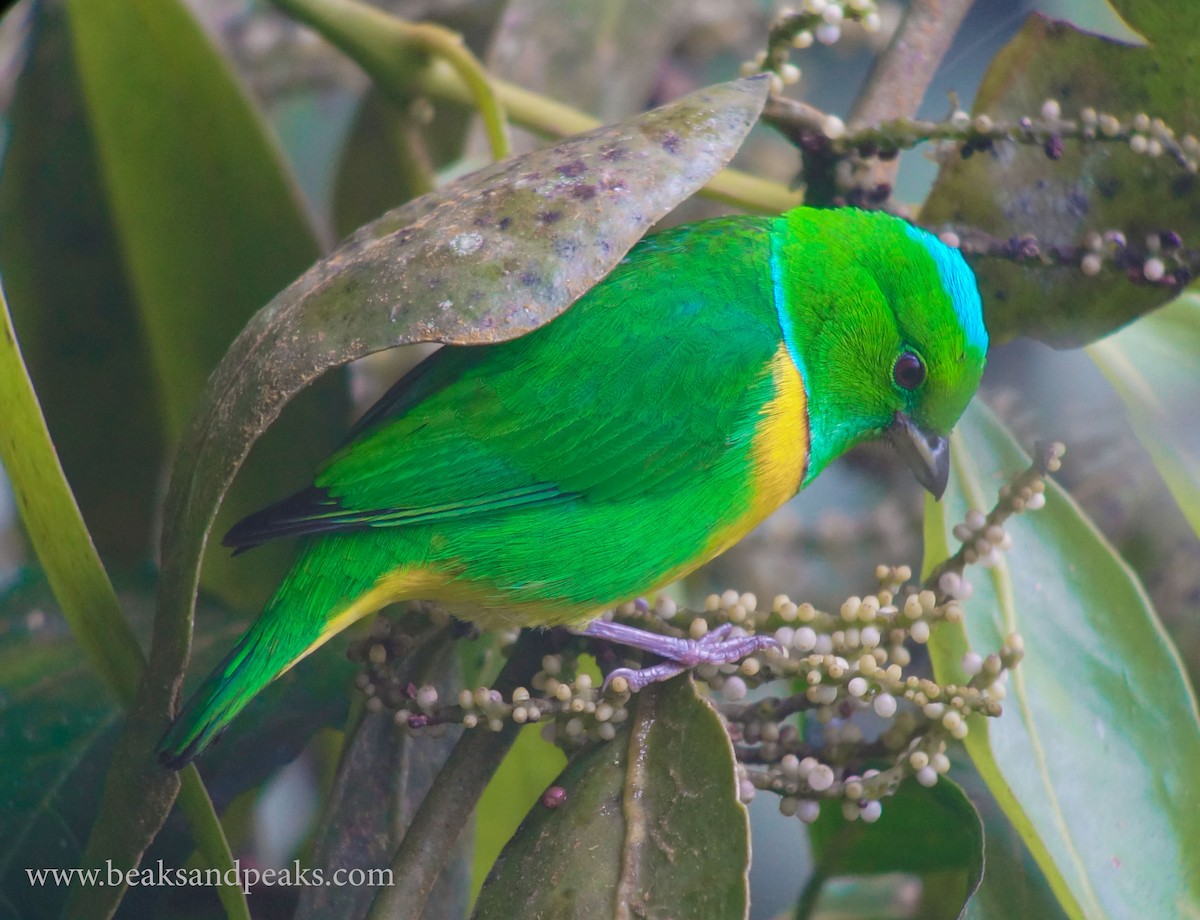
541,481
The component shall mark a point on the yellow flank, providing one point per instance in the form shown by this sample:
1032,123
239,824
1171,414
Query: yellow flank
401,585
780,453
781,442
468,599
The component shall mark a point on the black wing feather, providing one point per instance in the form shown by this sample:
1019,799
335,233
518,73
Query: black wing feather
294,516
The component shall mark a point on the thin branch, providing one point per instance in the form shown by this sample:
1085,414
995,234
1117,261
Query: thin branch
387,48
901,75
1014,498
450,47
546,116
813,130
1169,266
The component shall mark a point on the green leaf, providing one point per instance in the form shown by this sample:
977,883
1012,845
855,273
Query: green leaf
55,527
650,819
1013,887
1096,188
1094,757
1098,17
209,225
921,832
524,775
197,189
57,726
1155,367
71,304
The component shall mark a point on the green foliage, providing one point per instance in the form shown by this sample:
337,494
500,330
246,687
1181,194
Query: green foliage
383,775
207,218
1099,709
921,831
60,725
59,250
1012,884
1155,367
527,771
146,214
655,810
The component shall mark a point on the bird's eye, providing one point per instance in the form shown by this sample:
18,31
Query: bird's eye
909,371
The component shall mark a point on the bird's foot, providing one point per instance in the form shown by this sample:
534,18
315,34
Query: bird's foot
713,648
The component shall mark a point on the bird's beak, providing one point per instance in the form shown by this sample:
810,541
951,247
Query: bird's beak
928,455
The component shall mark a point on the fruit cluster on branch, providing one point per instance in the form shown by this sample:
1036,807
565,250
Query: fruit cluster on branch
858,714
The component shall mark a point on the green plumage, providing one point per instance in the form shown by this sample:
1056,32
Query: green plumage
541,480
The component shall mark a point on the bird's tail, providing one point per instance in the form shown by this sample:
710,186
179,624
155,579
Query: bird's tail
319,598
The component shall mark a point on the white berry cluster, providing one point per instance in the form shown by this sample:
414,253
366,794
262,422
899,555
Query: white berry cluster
865,718
815,22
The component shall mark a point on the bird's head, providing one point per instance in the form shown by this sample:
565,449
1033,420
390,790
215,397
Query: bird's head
885,325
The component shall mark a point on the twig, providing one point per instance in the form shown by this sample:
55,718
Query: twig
1169,266
816,131
901,75
400,62
1014,498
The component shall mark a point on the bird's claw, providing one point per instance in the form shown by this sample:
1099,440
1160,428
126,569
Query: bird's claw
681,654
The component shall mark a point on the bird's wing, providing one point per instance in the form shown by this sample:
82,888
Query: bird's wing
647,382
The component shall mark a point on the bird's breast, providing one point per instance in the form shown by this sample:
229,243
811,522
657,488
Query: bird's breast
778,452
780,449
